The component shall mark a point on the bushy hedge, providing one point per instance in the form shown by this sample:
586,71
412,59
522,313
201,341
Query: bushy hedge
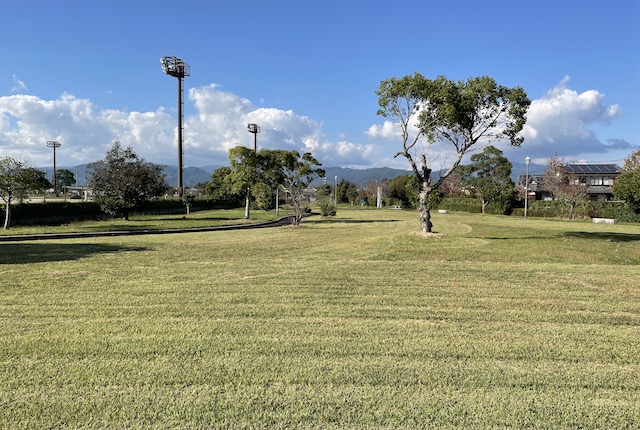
621,212
53,213
56,213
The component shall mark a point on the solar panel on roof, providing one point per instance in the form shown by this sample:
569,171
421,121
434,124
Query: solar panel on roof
593,168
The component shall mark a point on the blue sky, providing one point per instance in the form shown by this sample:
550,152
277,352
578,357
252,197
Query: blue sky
88,72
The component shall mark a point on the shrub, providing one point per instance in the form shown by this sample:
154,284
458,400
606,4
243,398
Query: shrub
621,212
327,208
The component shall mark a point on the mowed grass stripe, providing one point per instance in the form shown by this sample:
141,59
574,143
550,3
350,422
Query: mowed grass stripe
349,323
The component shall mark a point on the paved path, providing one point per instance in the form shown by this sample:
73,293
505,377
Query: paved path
22,237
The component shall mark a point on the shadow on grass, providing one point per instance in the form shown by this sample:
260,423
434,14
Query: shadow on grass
42,252
609,236
349,221
179,218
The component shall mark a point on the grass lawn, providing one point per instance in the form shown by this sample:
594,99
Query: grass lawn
151,222
353,322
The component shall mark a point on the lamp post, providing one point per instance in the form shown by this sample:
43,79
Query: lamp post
253,129
53,144
526,186
177,68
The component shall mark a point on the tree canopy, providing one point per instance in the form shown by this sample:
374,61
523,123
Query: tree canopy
464,115
15,179
261,172
123,181
65,178
627,185
489,176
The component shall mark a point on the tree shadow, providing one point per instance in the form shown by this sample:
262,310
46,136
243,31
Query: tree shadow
608,236
42,252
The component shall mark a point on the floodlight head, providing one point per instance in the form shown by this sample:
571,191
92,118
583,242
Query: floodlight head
53,144
175,67
253,128
527,160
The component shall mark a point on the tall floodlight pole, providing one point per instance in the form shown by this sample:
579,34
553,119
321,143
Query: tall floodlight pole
177,68
526,186
53,144
253,129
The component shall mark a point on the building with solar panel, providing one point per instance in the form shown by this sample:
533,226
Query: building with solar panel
598,178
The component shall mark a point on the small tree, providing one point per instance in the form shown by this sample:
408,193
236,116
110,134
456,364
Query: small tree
123,181
65,178
298,173
35,180
463,114
565,187
627,185
632,162
489,175
553,179
15,179
347,191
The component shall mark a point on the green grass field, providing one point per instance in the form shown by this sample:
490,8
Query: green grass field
353,322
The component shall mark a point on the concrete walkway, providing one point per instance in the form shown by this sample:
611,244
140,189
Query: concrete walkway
23,237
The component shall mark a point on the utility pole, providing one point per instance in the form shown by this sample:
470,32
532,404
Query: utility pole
53,144
253,129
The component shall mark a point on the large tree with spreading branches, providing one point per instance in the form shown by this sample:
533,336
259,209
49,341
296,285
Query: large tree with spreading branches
123,181
466,115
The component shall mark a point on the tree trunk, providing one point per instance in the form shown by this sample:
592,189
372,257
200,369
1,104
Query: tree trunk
247,203
7,214
425,211
484,205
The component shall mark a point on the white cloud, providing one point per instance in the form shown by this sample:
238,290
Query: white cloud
387,131
561,122
218,124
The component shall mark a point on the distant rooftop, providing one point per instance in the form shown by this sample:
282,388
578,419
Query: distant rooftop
593,168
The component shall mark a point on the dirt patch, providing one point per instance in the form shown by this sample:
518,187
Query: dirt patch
432,235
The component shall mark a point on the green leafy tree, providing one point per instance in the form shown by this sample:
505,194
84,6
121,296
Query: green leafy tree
402,188
325,200
123,181
347,191
627,185
15,180
464,114
219,187
263,196
489,175
65,178
297,174
36,179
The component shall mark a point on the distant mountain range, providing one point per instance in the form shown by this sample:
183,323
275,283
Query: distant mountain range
193,176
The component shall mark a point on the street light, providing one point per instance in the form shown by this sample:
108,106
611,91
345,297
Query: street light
526,186
53,144
254,129
177,68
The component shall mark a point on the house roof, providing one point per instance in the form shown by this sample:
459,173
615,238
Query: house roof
592,168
